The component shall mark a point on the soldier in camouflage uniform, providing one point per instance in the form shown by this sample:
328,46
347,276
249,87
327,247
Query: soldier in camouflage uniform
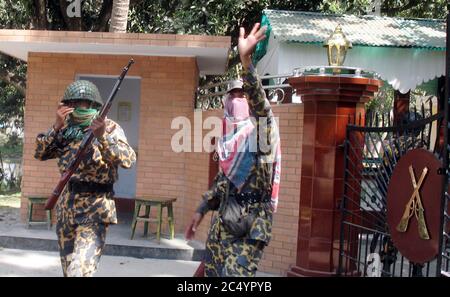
256,189
86,206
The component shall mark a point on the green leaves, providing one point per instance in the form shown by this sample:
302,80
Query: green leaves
15,14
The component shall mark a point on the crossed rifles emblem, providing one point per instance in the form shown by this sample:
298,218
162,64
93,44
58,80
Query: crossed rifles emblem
415,207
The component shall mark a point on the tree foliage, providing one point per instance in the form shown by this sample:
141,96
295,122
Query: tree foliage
211,17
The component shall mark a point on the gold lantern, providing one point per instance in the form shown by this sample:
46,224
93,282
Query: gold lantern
337,45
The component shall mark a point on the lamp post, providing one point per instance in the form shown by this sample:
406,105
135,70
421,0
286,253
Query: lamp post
337,45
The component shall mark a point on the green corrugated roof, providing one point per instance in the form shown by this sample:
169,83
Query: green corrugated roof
368,30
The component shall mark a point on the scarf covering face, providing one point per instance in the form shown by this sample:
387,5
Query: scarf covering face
237,146
236,108
78,121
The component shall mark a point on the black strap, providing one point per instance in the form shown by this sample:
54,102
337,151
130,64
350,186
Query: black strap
227,193
251,197
76,186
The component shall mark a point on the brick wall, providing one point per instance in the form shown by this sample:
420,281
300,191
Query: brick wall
167,91
282,251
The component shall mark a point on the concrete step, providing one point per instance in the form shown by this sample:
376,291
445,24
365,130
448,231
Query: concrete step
118,243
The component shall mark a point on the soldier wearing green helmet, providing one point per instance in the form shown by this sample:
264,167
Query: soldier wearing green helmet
86,206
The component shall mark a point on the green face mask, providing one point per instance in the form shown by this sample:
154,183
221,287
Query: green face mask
82,117
78,121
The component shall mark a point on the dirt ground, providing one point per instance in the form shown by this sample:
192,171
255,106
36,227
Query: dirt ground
9,209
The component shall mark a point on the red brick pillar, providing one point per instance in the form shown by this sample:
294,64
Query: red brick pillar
328,101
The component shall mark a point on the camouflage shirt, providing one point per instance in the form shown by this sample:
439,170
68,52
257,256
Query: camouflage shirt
260,178
100,165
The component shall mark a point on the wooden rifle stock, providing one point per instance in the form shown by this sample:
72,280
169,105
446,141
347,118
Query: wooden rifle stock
200,271
404,221
85,144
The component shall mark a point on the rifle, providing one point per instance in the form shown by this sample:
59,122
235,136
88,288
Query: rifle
85,144
200,271
412,207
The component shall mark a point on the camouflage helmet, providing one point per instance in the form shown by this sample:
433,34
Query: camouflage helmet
82,90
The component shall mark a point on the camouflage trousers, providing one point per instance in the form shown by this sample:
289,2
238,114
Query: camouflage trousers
80,247
228,256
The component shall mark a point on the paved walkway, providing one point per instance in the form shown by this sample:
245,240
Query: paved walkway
14,262
27,263
33,252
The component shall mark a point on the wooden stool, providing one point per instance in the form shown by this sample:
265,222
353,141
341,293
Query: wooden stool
160,203
38,200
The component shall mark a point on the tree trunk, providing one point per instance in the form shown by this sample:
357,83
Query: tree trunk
119,16
39,20
105,14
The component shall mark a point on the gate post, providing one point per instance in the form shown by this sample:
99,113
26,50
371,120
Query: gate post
329,102
401,106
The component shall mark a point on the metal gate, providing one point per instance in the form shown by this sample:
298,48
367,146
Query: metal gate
371,154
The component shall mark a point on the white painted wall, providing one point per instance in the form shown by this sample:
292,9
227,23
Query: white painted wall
402,68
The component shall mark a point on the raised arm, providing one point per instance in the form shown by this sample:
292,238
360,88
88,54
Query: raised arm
259,105
114,147
47,143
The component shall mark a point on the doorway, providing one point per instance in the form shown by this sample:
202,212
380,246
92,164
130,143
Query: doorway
125,112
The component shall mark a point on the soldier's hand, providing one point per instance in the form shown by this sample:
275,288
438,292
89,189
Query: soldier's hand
189,233
61,112
246,45
98,127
